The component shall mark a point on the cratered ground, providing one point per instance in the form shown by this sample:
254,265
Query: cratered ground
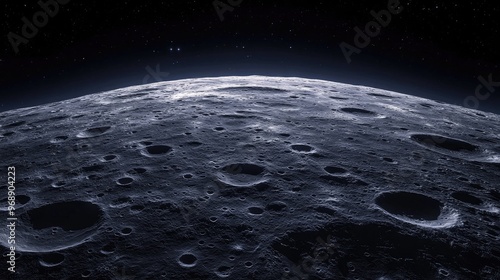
253,178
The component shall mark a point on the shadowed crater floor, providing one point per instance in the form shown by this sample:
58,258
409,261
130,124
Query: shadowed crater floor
73,215
412,205
443,142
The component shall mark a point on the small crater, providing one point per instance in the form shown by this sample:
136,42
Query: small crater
188,260
213,219
302,148
52,260
58,184
380,95
93,132
466,197
334,170
357,111
109,157
126,231
223,271
194,144
437,141
412,205
219,128
108,248
158,149
255,210
388,159
124,181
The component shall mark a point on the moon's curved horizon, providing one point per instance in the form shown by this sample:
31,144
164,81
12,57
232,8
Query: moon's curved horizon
253,177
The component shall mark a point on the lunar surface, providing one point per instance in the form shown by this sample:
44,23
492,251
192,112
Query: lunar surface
252,178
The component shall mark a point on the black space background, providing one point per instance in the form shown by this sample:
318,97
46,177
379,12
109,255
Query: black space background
435,50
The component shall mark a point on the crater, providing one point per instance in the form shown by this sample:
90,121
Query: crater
194,144
426,105
94,132
108,248
56,226
21,200
188,260
334,170
52,260
466,197
158,149
109,157
380,95
442,142
255,210
126,231
124,181
302,148
244,168
412,205
73,215
357,111
416,209
223,271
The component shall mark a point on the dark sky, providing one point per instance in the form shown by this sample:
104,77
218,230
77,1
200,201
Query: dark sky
436,50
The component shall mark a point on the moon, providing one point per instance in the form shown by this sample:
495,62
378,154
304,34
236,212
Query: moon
252,178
